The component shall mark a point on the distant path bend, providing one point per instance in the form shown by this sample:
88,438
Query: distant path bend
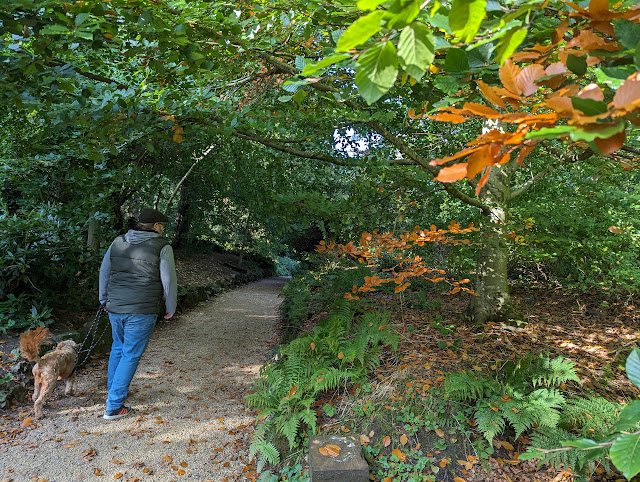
189,420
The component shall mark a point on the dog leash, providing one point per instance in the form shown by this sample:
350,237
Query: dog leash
93,330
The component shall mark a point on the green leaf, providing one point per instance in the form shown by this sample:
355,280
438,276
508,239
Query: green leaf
447,84
625,454
402,13
584,443
366,5
465,18
300,96
81,17
509,43
628,33
416,49
360,31
576,133
531,454
589,106
377,70
629,417
633,367
54,29
456,61
313,68
577,65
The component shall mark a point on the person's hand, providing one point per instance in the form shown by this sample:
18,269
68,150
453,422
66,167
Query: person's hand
168,315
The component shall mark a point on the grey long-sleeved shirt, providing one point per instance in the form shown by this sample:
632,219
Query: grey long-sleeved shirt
167,270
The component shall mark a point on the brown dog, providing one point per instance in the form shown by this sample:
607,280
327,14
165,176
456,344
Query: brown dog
56,365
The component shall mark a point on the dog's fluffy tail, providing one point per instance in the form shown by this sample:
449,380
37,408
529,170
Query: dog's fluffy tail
30,343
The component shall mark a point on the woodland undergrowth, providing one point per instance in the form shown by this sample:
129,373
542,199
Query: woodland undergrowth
439,399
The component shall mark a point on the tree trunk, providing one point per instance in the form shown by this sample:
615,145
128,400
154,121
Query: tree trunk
93,233
182,218
493,302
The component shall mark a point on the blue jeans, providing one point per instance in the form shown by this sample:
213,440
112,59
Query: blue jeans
131,334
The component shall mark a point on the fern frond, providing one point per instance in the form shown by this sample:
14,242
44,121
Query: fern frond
289,427
591,416
465,386
490,422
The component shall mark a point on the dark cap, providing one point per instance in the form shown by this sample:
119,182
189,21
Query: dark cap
151,216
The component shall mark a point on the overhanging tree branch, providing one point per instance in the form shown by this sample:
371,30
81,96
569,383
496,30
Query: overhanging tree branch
562,158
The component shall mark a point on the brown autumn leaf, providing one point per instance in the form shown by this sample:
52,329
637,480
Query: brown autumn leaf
181,472
169,459
340,355
97,471
27,422
118,475
612,144
183,464
364,439
386,441
403,439
458,479
506,445
628,94
527,78
323,451
115,461
333,450
439,432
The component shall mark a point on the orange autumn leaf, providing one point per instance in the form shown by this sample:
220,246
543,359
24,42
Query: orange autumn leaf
403,439
490,94
386,441
340,355
452,173
443,463
458,479
181,472
118,475
97,471
382,328
364,439
292,392
167,459
401,455
26,422
313,346
330,450
508,76
482,110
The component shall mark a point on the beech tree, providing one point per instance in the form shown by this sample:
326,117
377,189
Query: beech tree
555,77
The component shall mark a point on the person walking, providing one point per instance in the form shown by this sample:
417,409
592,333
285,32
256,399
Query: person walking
137,272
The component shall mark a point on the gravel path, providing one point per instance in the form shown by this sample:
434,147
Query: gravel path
189,420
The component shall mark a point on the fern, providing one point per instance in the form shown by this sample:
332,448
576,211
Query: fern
591,417
490,422
465,386
338,352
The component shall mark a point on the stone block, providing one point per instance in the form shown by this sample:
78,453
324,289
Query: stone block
348,466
